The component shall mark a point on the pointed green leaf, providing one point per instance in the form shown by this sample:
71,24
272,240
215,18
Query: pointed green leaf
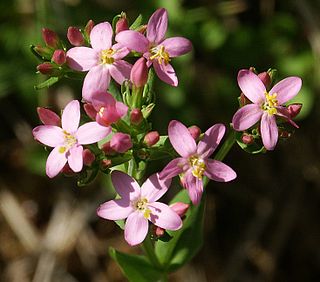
47,83
137,23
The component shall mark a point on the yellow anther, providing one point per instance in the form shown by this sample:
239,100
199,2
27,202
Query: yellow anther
160,54
100,113
198,166
62,150
107,56
142,206
270,104
69,141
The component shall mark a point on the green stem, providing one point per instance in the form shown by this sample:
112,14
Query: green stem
148,249
227,145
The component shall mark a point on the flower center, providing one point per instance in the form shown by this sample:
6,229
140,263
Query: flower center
270,104
142,206
69,141
160,54
106,56
198,166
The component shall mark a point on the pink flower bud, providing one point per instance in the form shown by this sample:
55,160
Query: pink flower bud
88,157
75,36
106,148
122,24
247,139
90,111
151,138
105,163
294,109
48,117
243,100
139,73
120,142
59,57
195,131
159,231
50,38
136,116
180,208
89,26
45,68
67,170
265,78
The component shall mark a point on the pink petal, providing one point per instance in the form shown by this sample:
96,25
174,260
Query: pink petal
82,58
75,159
122,109
154,188
211,139
101,36
181,139
194,186
96,80
174,167
157,26
286,89
166,73
49,135
120,71
48,117
133,40
136,228
125,185
218,171
269,131
55,162
91,132
283,112
251,86
246,117
115,209
164,217
102,99
177,46
121,51
71,116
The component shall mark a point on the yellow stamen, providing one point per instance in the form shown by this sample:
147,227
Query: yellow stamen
270,104
198,166
100,113
69,141
106,56
141,205
62,150
160,54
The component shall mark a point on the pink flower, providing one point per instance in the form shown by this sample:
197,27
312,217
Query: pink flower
194,162
155,48
138,206
265,105
67,140
103,61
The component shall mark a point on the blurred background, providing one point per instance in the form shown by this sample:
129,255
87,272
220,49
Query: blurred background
262,227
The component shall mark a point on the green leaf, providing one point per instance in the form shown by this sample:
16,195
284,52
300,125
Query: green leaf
187,241
136,268
113,89
137,23
47,83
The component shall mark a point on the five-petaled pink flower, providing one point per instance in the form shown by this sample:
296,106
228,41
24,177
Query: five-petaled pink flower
103,61
194,162
265,105
157,50
67,140
138,206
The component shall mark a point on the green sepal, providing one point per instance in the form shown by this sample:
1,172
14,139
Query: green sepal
114,21
120,223
46,84
137,23
136,268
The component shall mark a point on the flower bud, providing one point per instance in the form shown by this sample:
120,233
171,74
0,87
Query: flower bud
75,36
136,117
151,138
243,100
89,26
122,23
88,157
195,131
120,142
90,111
180,208
265,78
294,109
159,232
139,73
50,38
48,117
44,52
247,139
59,57
106,148
105,163
45,68
67,170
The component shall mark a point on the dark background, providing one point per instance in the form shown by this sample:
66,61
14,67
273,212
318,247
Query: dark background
262,227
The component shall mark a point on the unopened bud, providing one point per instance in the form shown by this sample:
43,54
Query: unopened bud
50,38
67,170
139,73
121,142
180,208
45,68
59,57
151,138
75,36
90,111
89,26
247,139
136,116
159,231
243,100
88,157
48,117
106,148
294,109
195,131
265,78
122,23
105,163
